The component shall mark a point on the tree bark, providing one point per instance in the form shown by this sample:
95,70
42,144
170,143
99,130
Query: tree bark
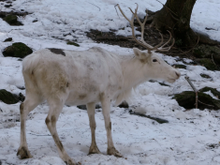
175,16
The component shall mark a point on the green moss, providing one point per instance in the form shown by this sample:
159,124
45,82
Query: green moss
204,75
17,50
208,63
214,91
187,100
179,66
12,20
206,51
72,43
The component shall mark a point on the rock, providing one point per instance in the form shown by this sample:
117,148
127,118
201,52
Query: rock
208,55
205,51
9,98
83,107
180,66
205,76
208,63
72,43
8,39
186,99
216,58
214,91
12,20
8,5
17,49
200,51
124,104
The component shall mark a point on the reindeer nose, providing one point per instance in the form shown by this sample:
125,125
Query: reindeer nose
178,74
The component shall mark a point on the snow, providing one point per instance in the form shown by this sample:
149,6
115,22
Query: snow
190,137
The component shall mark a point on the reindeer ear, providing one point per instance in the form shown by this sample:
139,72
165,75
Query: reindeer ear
140,54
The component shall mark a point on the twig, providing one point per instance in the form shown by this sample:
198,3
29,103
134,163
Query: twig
206,104
116,10
39,134
160,2
213,61
95,5
194,88
196,91
192,47
172,12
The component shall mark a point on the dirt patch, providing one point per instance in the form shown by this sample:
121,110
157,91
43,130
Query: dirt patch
152,36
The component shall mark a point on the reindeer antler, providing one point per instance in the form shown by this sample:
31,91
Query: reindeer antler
141,41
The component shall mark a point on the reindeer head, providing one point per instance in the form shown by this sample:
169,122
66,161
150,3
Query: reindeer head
154,67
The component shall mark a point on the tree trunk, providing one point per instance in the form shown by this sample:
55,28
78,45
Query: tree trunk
175,17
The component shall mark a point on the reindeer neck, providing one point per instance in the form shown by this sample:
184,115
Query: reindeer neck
132,70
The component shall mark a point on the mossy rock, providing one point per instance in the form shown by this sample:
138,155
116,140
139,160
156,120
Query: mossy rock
206,51
72,43
124,104
12,20
8,39
205,76
83,107
180,66
214,91
187,99
200,51
216,58
10,98
208,63
17,49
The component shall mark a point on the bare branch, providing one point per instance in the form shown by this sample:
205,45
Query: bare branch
194,88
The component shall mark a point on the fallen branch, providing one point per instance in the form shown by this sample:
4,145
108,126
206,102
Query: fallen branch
159,120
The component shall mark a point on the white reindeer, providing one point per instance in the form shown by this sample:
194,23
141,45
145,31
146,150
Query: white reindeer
86,77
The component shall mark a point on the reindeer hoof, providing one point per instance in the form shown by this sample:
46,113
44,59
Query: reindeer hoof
23,153
94,150
70,162
113,151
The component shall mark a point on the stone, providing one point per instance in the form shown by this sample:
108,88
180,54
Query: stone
187,99
17,49
10,98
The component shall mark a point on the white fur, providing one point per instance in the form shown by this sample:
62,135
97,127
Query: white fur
85,77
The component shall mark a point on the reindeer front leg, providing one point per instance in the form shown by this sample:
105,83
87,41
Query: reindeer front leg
105,101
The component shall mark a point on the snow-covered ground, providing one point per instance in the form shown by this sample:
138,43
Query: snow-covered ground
190,137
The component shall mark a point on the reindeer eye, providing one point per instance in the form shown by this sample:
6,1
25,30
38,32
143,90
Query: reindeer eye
154,60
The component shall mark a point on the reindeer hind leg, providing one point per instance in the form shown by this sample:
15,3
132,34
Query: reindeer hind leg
31,101
55,107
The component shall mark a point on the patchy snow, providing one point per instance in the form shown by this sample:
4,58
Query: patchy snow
190,137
